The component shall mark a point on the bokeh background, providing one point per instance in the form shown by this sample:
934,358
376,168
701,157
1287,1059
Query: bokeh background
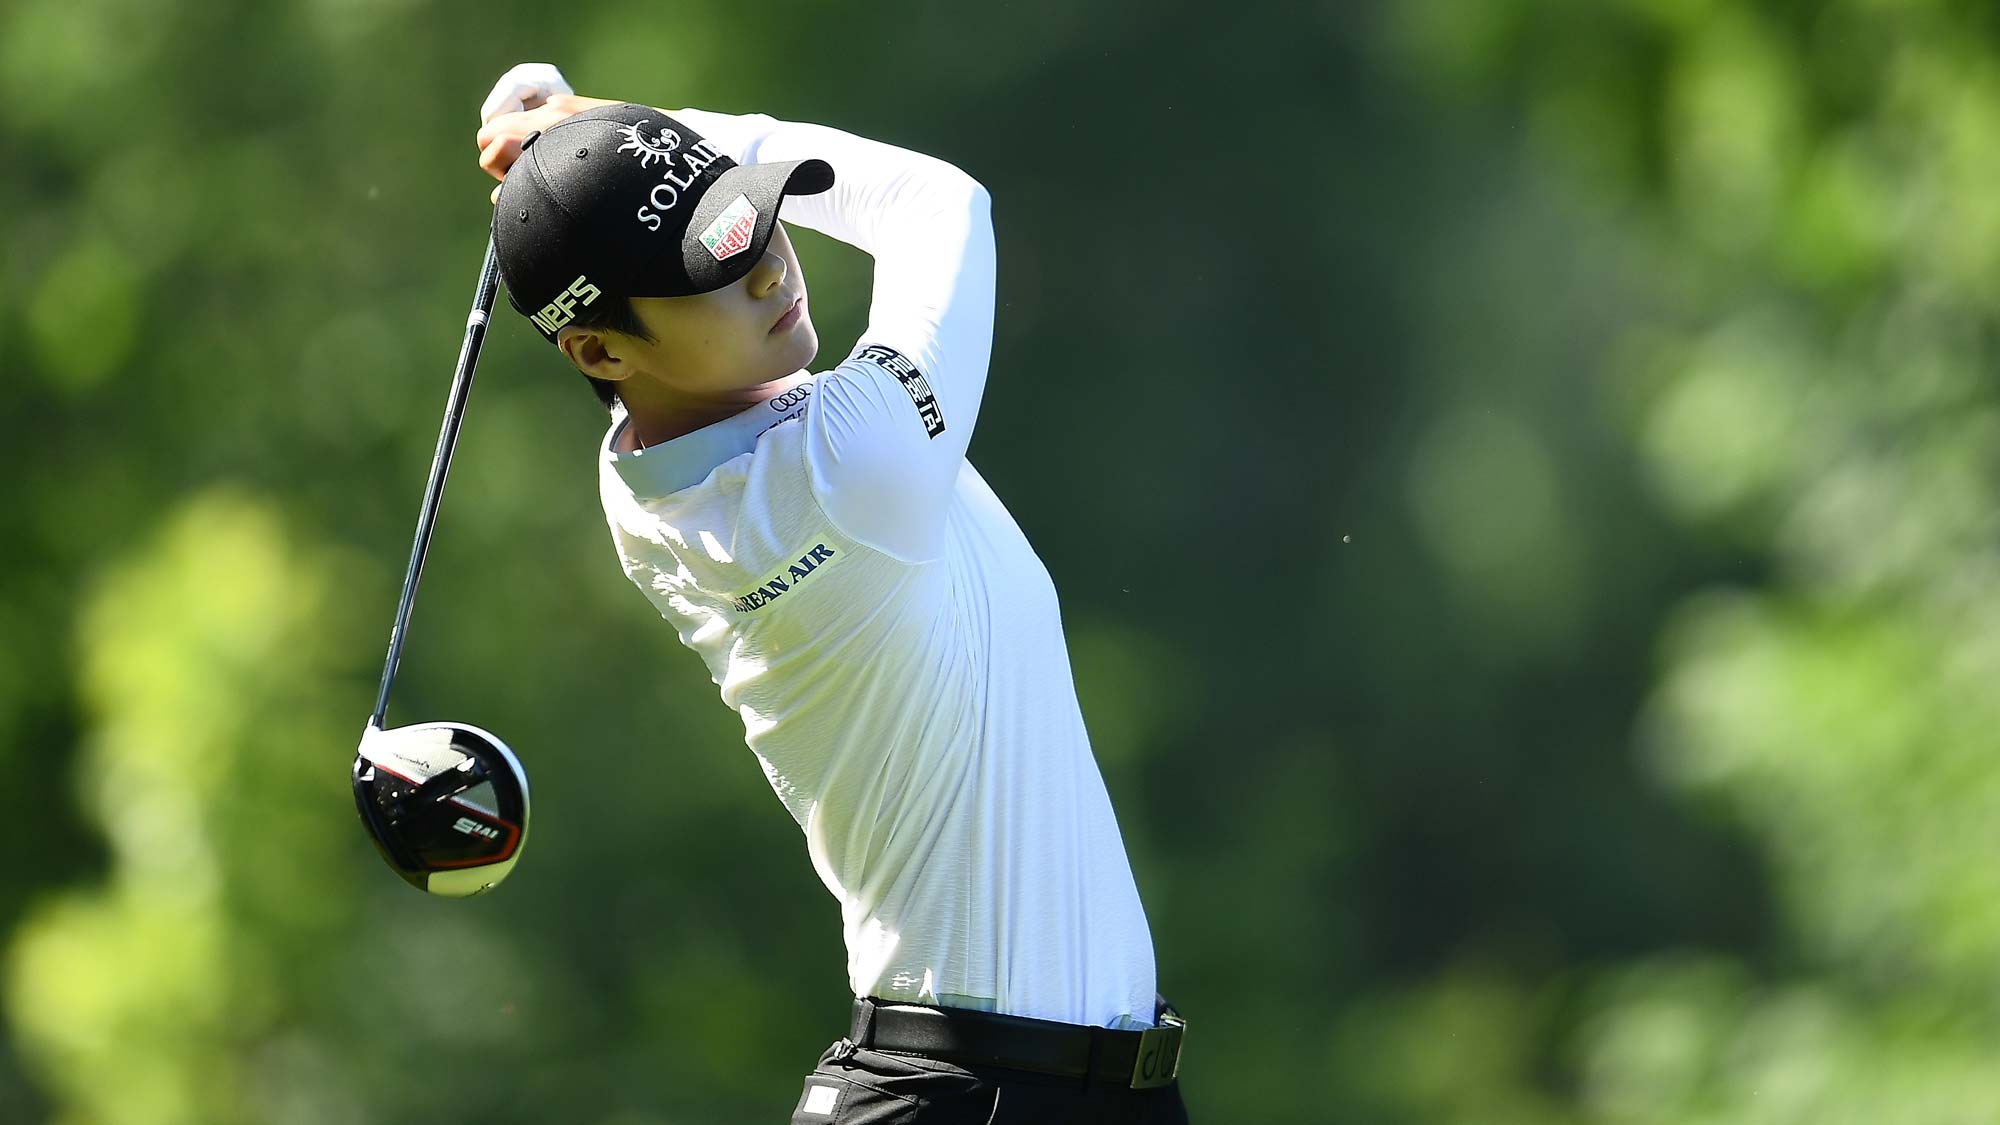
1522,477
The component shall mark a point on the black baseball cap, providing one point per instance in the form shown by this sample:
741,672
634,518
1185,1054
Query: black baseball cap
623,199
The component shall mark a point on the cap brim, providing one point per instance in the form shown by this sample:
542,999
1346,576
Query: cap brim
764,187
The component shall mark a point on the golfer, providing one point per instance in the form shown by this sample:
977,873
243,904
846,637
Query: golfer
860,596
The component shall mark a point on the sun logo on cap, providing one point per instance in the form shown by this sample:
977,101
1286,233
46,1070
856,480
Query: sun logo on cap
661,147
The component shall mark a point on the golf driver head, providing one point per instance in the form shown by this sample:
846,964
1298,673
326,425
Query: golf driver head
446,804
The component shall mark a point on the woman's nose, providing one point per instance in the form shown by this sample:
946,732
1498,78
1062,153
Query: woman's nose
767,274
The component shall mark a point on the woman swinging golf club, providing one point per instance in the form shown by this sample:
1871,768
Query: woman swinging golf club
858,593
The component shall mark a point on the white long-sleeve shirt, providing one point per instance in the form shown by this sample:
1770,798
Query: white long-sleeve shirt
890,639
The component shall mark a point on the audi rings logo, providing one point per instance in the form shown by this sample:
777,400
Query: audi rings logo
790,398
659,147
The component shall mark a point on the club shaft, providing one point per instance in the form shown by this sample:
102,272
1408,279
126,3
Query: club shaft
454,413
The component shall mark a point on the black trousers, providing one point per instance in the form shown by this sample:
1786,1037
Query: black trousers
856,1086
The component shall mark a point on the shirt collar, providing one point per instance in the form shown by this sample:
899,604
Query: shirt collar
661,470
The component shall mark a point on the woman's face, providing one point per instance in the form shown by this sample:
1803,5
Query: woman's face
748,333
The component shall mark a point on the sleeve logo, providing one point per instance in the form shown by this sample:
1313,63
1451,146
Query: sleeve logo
906,373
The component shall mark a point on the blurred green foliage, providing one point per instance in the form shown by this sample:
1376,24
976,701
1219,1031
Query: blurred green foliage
1523,476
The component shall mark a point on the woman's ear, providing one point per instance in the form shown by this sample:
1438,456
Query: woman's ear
594,353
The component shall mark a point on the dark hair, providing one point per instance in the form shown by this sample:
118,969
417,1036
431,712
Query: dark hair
612,313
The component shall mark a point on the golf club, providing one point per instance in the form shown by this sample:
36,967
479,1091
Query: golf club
445,803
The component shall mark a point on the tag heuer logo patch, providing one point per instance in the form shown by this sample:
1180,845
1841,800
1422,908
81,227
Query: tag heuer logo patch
730,232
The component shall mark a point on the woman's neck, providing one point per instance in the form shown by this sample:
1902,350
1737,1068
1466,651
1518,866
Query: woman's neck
655,416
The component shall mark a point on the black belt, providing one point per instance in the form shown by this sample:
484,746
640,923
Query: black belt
1100,1055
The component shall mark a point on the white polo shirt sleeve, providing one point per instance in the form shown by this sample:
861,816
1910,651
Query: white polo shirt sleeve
887,435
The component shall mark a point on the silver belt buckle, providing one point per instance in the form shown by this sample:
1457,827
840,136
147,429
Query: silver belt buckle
1159,1061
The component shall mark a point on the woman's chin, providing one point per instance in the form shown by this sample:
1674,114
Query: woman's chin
802,344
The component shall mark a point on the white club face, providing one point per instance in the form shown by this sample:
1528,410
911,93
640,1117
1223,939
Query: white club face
417,753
